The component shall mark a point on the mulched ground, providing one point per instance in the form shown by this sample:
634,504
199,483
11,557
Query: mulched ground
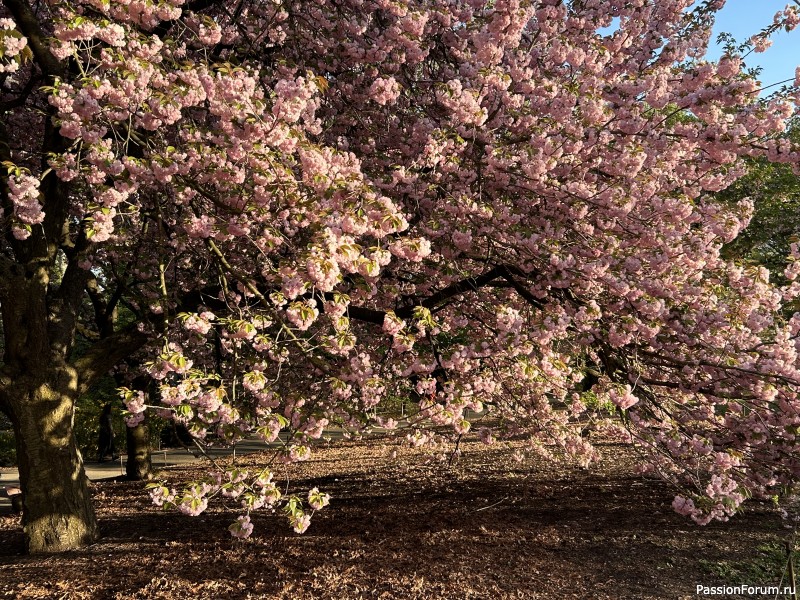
412,527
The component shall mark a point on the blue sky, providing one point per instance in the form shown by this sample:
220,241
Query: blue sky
743,18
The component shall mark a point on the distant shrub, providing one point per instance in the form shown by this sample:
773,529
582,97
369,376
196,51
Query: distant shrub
8,449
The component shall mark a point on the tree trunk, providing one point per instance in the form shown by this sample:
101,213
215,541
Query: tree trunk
139,466
57,506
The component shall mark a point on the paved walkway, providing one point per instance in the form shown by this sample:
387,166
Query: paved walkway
9,477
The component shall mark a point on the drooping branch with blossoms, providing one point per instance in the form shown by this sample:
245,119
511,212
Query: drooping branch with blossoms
310,208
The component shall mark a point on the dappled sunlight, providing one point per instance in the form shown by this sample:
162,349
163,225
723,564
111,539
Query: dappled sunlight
499,220
400,525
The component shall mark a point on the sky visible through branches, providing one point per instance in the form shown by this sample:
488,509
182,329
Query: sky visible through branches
743,18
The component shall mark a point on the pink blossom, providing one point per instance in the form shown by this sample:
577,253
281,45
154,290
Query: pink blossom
414,250
24,196
160,495
300,522
684,506
302,314
384,91
392,324
134,419
622,396
485,435
760,43
242,528
317,500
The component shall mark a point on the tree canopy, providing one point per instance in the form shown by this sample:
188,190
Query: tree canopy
309,207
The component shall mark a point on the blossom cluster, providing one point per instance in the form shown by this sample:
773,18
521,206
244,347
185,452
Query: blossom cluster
24,196
252,491
13,46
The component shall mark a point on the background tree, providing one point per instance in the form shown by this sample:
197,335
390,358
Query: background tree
775,191
307,207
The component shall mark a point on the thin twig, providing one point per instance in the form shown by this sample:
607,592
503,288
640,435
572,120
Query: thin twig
491,505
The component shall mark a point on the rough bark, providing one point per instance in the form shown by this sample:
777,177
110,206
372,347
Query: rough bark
137,439
57,508
38,390
39,385
139,467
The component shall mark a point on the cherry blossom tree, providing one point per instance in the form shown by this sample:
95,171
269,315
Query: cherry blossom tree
309,207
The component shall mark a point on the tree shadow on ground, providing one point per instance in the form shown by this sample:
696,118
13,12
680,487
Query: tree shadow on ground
403,534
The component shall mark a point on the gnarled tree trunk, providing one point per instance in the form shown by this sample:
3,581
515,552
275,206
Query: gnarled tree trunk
42,289
137,439
57,508
39,386
139,465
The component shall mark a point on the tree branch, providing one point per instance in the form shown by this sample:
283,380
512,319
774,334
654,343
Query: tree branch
106,353
375,316
104,310
367,315
195,6
23,95
29,25
533,300
454,289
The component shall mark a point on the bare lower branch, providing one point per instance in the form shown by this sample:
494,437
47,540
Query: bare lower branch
454,289
107,353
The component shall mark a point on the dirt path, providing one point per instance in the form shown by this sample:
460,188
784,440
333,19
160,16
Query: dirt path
489,527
